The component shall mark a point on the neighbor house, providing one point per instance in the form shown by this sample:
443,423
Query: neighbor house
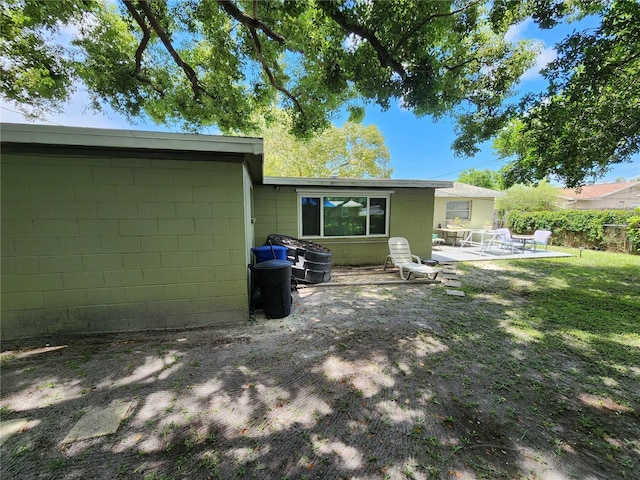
473,206
117,230
604,196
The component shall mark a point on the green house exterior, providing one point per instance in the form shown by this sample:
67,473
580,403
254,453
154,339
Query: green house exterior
410,214
108,230
119,230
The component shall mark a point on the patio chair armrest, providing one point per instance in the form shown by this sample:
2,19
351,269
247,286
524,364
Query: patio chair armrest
416,259
389,261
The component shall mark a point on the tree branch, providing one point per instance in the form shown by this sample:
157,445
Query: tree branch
250,22
460,65
426,20
253,24
269,73
166,41
384,55
146,36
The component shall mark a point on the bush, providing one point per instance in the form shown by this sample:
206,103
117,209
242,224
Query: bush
633,231
601,229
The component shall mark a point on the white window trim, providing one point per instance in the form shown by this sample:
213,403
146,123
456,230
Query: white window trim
446,209
344,193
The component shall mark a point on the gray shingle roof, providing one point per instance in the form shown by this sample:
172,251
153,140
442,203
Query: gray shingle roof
469,191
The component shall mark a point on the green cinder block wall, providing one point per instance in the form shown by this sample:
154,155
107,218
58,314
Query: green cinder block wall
119,244
411,216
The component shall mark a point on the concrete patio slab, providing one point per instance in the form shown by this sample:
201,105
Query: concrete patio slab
455,293
99,423
10,427
468,254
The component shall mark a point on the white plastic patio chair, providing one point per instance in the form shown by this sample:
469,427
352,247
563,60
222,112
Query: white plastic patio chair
504,240
408,264
540,237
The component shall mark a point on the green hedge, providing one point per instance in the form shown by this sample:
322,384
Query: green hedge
604,229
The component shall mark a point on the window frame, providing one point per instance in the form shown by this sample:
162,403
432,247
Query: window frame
322,194
446,210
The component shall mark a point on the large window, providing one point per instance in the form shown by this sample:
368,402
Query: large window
459,209
343,216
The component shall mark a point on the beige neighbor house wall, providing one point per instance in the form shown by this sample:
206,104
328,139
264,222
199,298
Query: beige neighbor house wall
109,243
410,216
482,204
614,196
482,210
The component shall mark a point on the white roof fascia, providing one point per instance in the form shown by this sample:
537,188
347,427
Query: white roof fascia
566,197
358,183
127,139
465,190
443,194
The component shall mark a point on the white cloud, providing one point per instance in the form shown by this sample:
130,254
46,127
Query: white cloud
74,114
77,113
547,55
515,32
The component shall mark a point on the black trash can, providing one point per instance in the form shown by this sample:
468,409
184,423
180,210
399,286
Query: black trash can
274,280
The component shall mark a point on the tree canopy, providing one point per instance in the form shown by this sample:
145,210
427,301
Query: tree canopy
589,117
352,151
205,62
199,63
481,178
527,198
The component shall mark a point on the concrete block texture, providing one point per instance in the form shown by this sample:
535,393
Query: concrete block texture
109,244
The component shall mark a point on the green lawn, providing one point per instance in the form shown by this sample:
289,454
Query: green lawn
589,305
562,339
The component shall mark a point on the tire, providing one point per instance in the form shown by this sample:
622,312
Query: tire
317,256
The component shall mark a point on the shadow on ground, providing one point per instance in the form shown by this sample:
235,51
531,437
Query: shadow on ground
366,381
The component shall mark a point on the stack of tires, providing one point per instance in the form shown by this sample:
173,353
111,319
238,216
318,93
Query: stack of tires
311,262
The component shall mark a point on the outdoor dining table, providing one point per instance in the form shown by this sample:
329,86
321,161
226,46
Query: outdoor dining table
487,238
454,233
524,239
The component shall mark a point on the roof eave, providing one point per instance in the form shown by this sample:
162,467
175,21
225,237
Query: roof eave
354,182
127,139
50,139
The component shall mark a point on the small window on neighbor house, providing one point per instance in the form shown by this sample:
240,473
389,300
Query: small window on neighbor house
621,204
459,209
343,216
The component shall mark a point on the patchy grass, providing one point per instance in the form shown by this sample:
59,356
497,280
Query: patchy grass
567,353
588,306
534,374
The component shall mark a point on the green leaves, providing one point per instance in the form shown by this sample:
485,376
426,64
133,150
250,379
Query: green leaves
481,178
589,228
589,117
36,70
633,230
353,151
206,62
525,198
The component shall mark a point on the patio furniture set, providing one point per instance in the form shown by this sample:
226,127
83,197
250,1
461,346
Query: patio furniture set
400,255
503,240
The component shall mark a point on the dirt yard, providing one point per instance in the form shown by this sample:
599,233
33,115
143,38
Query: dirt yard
387,381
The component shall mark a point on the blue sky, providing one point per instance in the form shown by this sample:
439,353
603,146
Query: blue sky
420,147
